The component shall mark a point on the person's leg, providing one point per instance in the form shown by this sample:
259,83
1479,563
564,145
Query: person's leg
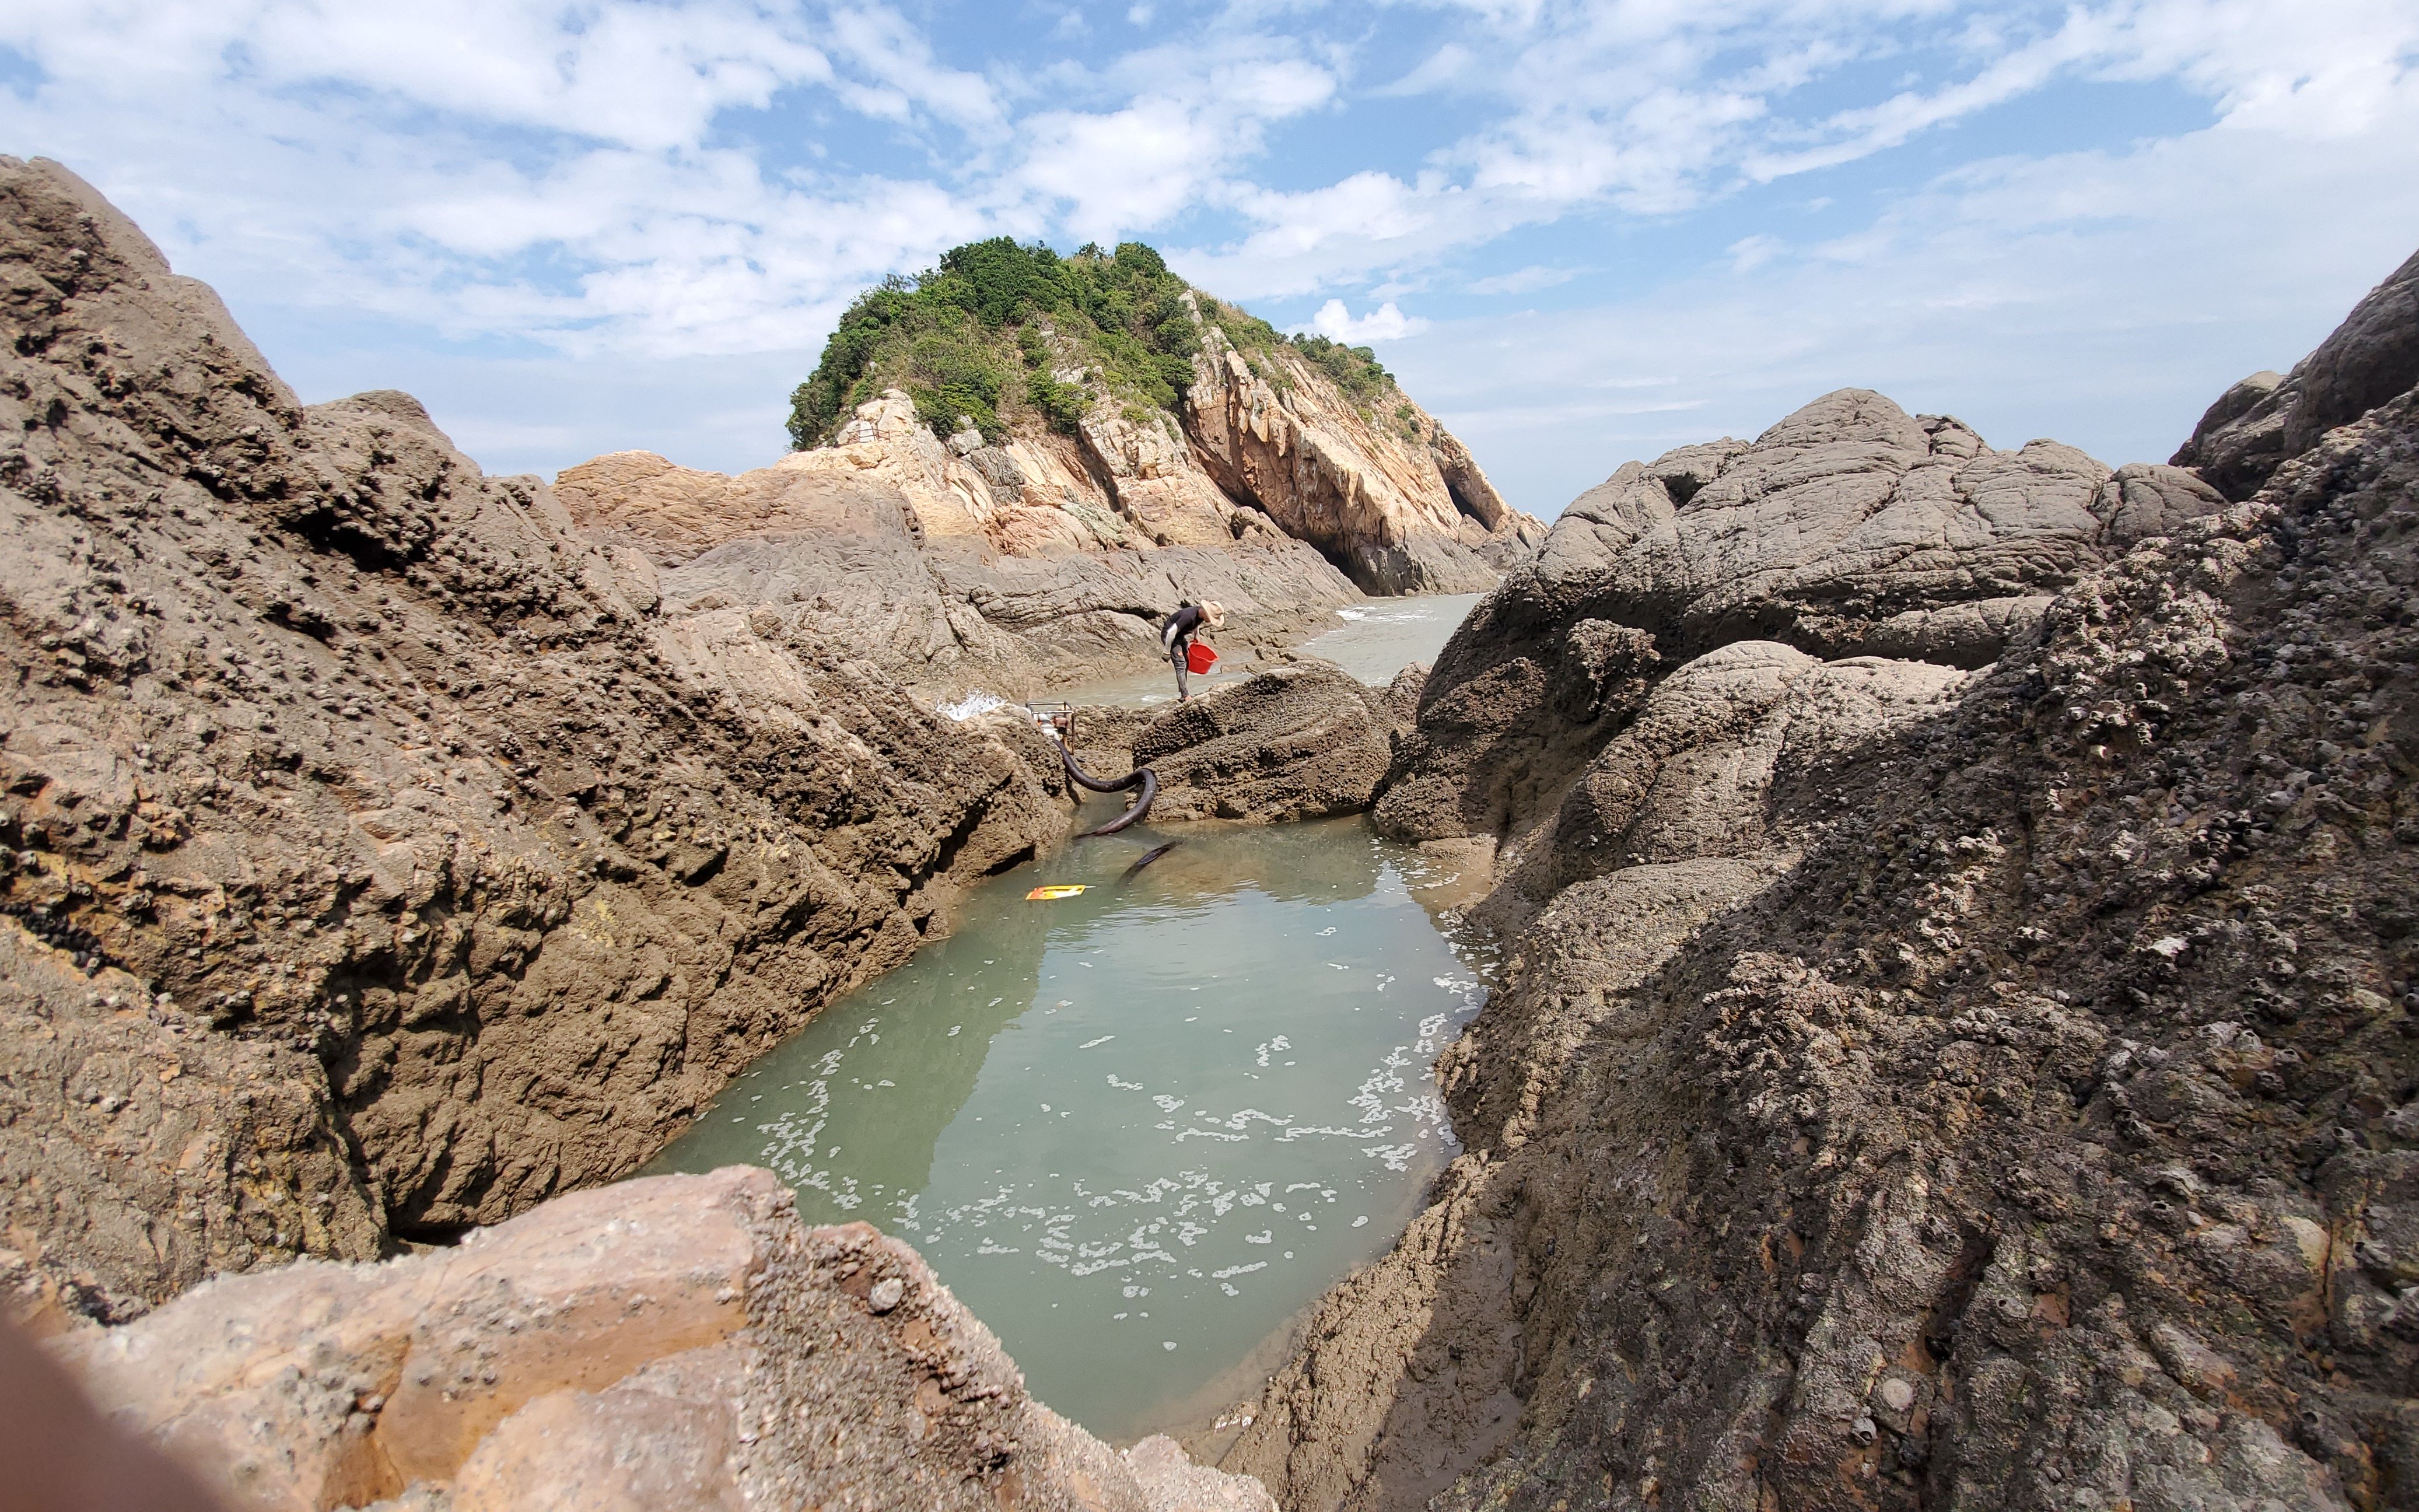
1176,658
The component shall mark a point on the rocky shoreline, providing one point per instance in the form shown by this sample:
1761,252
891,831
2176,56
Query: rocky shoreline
390,847
1958,1041
1955,1045
383,854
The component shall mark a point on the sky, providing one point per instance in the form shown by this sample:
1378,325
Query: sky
1579,233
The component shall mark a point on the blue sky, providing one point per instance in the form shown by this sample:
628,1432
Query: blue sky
1581,233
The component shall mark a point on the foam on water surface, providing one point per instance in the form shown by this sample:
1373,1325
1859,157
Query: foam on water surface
974,704
1138,1130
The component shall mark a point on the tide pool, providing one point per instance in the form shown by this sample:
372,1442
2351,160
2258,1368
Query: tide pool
1136,1131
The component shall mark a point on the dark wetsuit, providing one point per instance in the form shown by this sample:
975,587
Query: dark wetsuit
1176,634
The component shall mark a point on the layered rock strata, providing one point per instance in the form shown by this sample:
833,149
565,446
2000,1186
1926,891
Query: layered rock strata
1395,500
850,556
1982,1077
671,1344
372,864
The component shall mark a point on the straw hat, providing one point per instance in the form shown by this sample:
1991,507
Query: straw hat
1213,612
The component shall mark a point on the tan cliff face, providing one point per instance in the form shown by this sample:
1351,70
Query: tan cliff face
874,550
1263,450
1396,499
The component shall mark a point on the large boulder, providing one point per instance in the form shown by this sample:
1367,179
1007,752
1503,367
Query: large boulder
836,555
1300,741
1850,527
676,1344
2261,422
1845,514
1716,765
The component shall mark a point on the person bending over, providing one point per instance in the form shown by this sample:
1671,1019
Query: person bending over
1176,634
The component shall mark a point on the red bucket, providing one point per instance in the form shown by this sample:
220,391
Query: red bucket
1200,659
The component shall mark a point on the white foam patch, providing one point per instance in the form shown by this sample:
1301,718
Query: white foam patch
974,704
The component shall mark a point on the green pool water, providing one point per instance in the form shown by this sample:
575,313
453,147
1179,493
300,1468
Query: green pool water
1136,1131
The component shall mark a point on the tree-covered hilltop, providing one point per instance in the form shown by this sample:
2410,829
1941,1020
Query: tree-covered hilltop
1016,336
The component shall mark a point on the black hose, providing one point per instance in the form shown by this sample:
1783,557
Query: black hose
1147,857
1132,815
1118,784
1141,777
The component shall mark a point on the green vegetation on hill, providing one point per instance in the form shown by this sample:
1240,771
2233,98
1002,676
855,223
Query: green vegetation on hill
1352,369
988,333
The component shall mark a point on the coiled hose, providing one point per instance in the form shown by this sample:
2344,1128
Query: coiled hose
1141,777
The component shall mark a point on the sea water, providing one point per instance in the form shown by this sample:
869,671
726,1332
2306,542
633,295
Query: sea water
1382,637
1137,1131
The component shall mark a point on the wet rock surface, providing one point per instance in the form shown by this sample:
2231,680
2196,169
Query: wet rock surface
1981,1076
675,1343
372,862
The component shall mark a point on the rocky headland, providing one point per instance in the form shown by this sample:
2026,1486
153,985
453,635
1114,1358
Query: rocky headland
1961,1032
1011,468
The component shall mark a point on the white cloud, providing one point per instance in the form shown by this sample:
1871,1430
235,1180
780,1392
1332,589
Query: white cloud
1522,280
1447,66
903,77
1658,110
1194,116
649,76
1747,254
485,170
2087,296
610,184
1385,323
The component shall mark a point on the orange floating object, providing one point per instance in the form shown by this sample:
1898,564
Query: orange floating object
1040,895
